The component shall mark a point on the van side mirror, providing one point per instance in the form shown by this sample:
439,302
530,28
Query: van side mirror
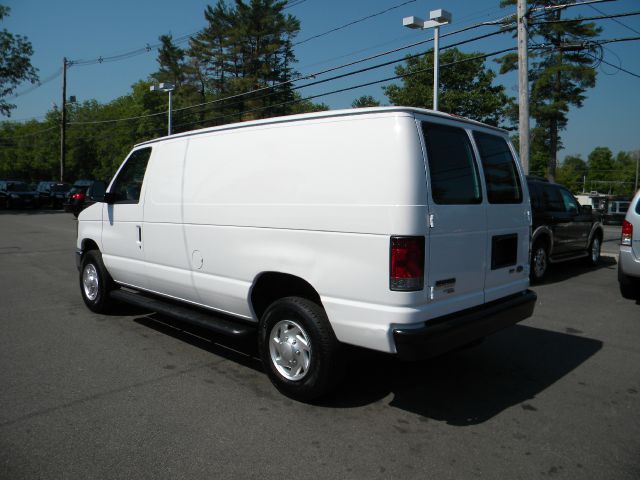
586,209
97,191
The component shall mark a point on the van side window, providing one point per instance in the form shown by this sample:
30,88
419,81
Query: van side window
128,184
500,171
452,168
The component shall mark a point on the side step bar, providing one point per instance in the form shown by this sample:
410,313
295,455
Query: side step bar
199,318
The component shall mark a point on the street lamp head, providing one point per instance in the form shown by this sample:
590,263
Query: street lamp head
412,22
440,16
163,87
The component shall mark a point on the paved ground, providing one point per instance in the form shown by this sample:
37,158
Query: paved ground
135,396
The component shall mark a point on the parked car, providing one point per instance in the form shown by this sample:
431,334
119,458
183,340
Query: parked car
629,259
16,194
51,193
616,211
562,229
78,197
396,229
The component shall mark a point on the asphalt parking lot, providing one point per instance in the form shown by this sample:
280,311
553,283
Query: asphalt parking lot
135,395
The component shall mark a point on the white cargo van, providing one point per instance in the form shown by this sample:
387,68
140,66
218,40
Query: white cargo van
396,229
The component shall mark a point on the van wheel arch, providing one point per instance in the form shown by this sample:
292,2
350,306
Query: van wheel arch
88,244
271,286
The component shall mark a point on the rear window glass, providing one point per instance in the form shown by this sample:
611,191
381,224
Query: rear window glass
452,169
500,171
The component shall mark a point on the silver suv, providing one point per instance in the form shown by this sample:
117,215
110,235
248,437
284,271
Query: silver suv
629,261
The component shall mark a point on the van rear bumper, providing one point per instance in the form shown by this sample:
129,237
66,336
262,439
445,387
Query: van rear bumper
446,333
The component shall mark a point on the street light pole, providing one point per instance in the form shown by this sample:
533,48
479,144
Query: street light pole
438,18
170,110
165,87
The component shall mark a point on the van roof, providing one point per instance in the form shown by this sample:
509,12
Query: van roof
325,114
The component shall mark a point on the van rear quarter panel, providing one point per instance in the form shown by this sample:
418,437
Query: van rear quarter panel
317,199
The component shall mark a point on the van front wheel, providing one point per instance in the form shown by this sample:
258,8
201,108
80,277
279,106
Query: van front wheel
298,348
95,283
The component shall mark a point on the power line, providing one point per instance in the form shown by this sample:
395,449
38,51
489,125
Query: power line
293,3
615,66
37,84
585,19
32,134
616,20
332,69
312,97
354,22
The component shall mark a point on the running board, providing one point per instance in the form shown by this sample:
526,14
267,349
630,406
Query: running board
209,321
569,257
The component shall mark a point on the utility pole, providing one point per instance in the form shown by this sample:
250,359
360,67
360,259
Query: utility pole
63,111
523,85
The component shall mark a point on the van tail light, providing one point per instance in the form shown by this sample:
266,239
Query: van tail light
627,233
78,196
406,264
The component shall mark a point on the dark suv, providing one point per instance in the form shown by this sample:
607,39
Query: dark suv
562,228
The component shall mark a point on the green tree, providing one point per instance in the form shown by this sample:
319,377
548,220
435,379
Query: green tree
246,47
572,172
560,71
466,87
365,101
15,64
172,62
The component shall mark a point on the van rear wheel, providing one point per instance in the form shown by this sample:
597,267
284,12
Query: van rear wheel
298,348
95,283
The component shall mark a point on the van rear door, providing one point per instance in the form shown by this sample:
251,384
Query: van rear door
508,216
456,244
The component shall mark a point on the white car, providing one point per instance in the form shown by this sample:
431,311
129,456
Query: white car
629,259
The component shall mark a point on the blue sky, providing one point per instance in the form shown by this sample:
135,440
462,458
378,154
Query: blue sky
89,29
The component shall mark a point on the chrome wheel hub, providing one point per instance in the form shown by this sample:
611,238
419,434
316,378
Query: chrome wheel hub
540,262
290,349
595,250
90,281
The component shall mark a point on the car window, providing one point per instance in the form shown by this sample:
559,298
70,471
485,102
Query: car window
126,187
500,171
452,168
569,202
552,199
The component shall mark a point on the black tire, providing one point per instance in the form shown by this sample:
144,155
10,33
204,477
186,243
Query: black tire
539,262
629,286
95,295
322,349
595,246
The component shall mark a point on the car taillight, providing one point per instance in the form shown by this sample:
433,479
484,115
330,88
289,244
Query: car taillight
406,264
627,233
78,196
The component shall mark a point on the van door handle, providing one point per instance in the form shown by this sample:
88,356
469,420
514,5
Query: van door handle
139,241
